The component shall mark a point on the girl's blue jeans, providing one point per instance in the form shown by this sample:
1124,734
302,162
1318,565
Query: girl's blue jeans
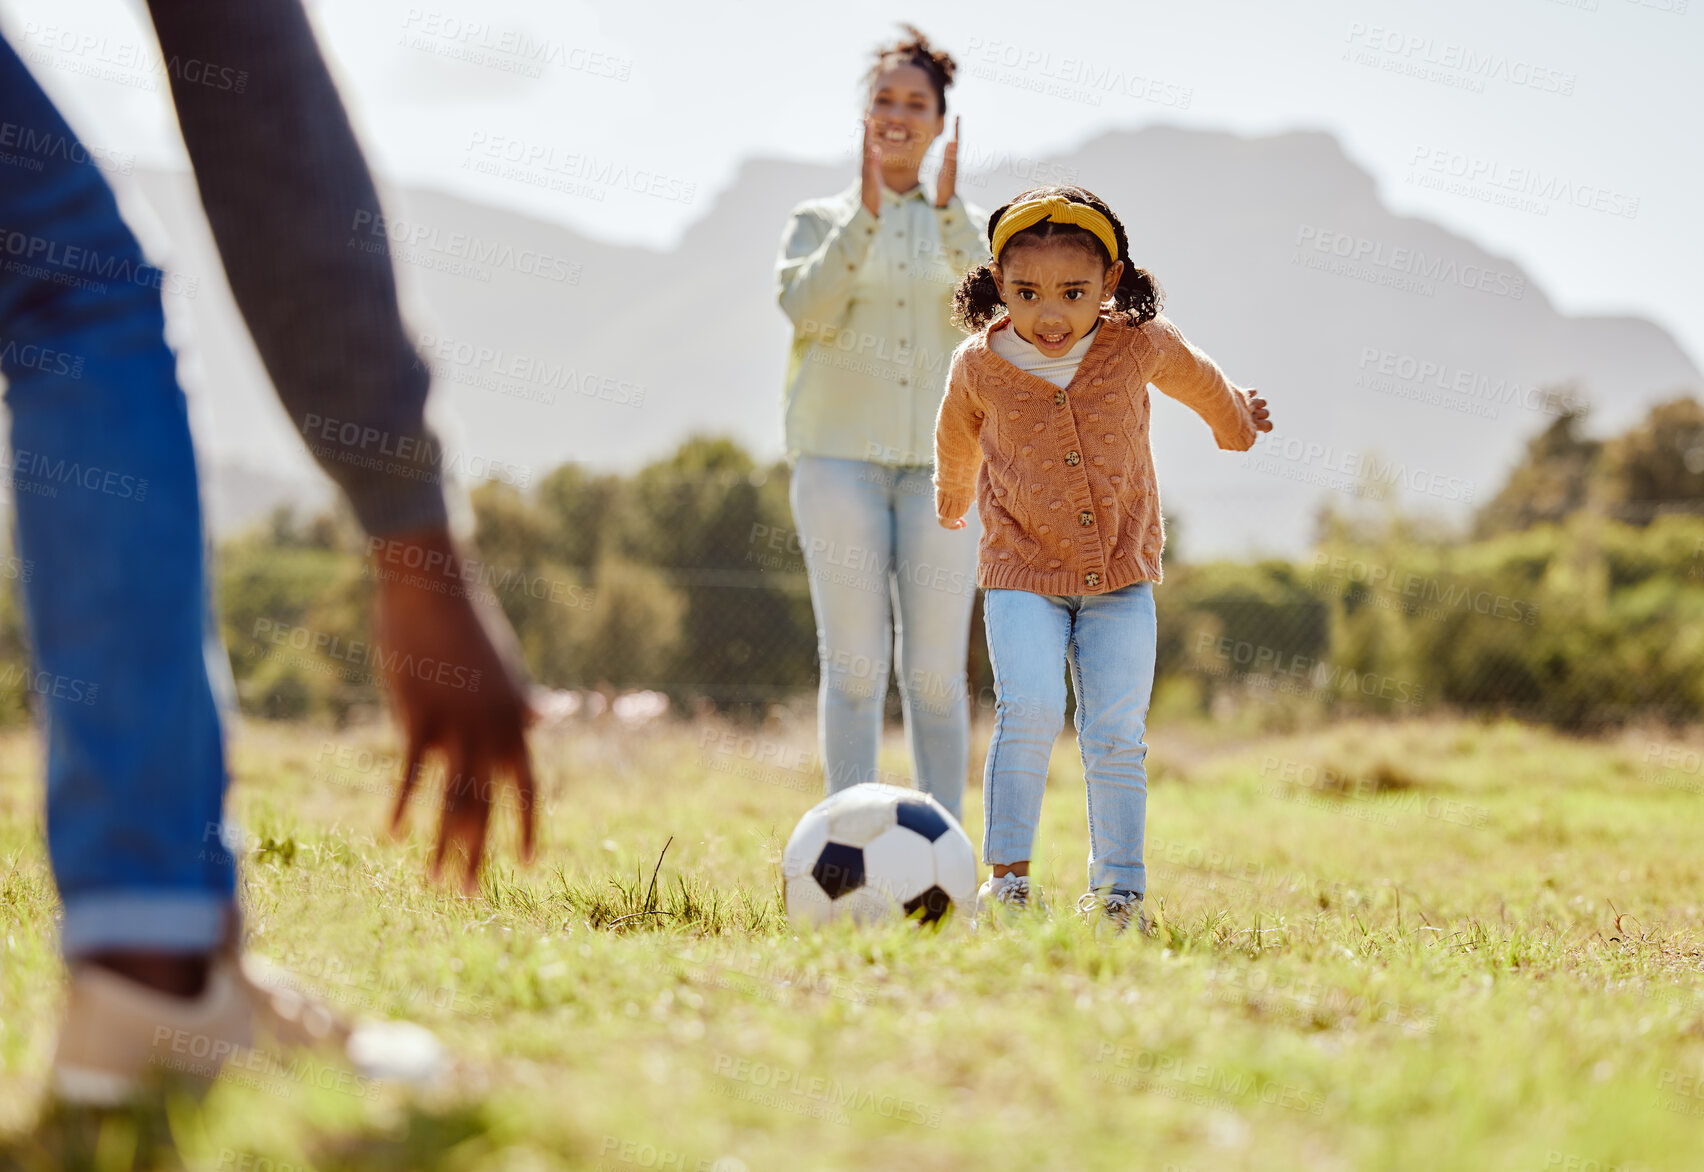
107,553
888,585
1107,642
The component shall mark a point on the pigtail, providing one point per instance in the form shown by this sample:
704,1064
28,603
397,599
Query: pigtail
1138,296
976,301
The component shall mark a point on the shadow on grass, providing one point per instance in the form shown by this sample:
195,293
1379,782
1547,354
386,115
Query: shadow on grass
166,1132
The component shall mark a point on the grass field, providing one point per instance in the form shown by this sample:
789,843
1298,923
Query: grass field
1401,946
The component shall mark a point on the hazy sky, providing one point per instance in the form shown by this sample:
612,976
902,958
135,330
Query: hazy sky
1605,97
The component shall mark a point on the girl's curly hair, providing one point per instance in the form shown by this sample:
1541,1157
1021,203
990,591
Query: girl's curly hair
914,49
1137,299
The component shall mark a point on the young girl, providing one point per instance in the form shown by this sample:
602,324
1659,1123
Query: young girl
1045,426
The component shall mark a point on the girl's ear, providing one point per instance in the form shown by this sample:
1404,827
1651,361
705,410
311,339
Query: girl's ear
1114,274
999,279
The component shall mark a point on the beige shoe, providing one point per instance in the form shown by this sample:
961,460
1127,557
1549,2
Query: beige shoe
118,1034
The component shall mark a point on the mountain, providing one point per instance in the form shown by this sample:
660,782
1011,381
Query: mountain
1401,360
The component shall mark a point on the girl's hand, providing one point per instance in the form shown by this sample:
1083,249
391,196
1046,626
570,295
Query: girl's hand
1257,408
872,168
945,181
957,523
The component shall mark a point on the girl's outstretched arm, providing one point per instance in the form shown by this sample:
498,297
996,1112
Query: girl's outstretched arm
958,453
1195,380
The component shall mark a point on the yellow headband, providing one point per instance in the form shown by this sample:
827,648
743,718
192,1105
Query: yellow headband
1061,211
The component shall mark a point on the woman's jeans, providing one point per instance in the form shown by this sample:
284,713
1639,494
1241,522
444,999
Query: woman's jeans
1107,642
108,555
887,584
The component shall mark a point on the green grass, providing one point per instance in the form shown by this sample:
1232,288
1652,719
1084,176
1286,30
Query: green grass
1380,946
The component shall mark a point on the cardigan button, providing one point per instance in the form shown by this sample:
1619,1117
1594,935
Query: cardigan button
1059,398
1072,458
1085,518
1091,579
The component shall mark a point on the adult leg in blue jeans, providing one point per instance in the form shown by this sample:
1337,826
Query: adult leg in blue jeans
846,532
935,582
109,523
870,549
109,527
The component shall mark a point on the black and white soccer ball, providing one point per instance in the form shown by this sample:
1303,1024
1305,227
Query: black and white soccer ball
875,851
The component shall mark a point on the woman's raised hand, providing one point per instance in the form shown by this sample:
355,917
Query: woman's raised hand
948,178
872,168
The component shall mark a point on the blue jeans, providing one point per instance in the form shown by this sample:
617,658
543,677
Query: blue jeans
1108,643
887,584
109,541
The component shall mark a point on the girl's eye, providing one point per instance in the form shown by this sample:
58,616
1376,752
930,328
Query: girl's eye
1073,294
1027,294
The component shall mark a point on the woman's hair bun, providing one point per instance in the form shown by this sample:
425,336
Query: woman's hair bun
914,49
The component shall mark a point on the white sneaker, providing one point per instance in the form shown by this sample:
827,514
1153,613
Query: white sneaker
1115,911
1007,895
118,1034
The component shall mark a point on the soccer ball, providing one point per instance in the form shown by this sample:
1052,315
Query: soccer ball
873,851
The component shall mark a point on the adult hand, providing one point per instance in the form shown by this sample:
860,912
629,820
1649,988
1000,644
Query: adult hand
872,168
1257,408
453,671
948,177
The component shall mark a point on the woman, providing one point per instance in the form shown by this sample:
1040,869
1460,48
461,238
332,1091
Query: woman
867,278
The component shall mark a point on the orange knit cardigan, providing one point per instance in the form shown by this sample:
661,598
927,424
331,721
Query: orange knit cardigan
1064,479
